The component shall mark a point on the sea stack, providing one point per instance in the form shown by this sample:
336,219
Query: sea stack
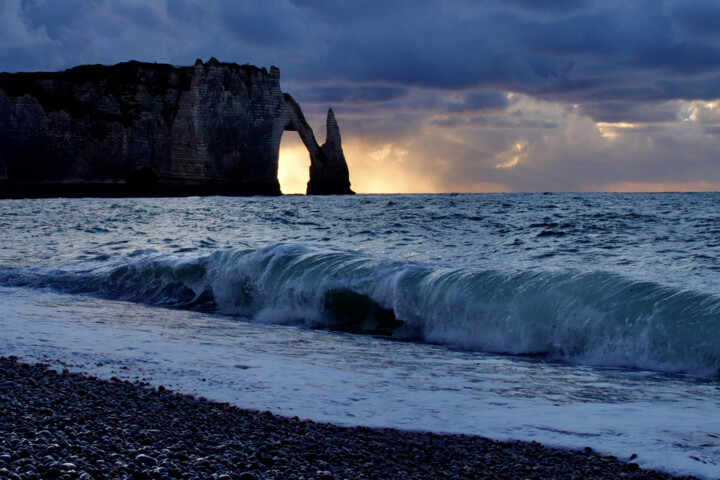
330,175
154,129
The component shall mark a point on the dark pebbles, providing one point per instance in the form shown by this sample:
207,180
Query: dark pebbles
71,426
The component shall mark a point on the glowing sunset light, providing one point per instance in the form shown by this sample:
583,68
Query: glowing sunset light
517,151
293,164
385,169
613,130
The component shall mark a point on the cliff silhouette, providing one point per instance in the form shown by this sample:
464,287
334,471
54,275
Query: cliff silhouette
146,129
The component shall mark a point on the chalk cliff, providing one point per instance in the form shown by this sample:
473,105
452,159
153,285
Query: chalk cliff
147,129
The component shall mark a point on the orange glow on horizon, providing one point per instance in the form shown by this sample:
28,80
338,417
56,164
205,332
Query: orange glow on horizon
388,168
374,169
391,168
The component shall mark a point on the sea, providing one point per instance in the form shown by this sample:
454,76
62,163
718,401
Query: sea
574,320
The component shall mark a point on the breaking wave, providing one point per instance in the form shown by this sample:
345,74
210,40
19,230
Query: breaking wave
597,318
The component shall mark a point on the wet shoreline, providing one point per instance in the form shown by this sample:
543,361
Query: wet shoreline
69,425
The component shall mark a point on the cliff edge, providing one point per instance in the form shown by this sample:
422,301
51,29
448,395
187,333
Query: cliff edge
154,129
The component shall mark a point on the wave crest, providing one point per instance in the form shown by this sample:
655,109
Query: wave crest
596,318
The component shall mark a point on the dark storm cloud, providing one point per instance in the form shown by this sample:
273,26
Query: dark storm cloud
480,101
508,122
568,51
335,94
282,25
54,17
444,101
631,112
618,50
564,49
699,16
554,6
494,121
188,11
712,130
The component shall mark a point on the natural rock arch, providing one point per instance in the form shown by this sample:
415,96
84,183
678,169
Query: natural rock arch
213,128
328,168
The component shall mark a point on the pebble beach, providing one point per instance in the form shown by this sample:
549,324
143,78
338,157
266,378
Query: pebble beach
68,425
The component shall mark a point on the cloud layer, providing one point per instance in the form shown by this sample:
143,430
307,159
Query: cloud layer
453,95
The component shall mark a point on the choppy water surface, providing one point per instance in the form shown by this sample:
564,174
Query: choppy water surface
665,237
578,320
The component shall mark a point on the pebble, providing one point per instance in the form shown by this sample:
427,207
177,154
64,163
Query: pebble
63,425
146,460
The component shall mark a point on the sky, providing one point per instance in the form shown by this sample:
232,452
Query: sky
440,96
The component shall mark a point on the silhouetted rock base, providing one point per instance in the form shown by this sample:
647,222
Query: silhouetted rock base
329,188
13,190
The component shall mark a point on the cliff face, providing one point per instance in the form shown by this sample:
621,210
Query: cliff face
151,128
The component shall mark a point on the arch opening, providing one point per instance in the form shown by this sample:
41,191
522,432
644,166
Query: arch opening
293,164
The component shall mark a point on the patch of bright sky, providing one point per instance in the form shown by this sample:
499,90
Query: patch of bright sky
293,164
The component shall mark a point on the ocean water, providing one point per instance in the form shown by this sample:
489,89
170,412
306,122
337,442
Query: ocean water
571,319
